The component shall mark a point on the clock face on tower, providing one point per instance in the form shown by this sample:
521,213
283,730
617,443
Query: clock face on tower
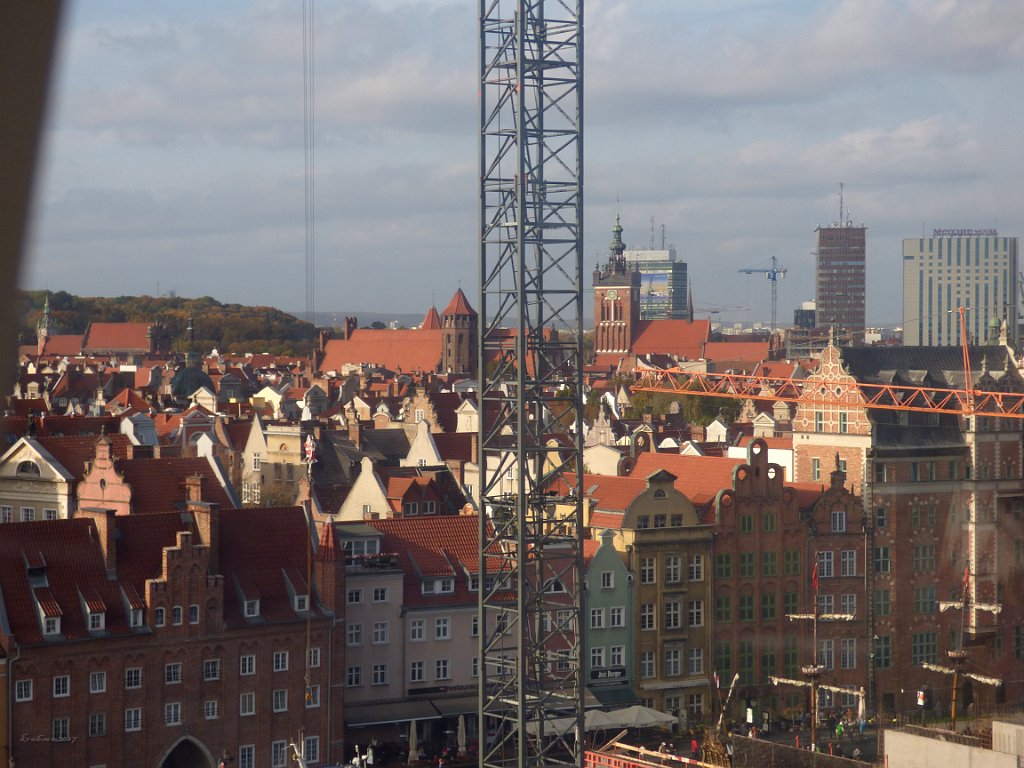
612,294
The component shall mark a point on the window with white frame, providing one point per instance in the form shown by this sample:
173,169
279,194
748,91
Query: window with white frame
159,617
647,566
597,657
380,674
97,682
380,594
247,704
848,603
647,616
278,754
177,616
597,618
280,699
211,709
617,655
28,514
696,568
172,673
827,603
673,662
97,621
838,521
354,634
172,713
51,625
429,506
61,729
607,580
5,514
61,686
695,611
311,749
848,653
257,461
23,690
848,562
313,657
211,669
133,677
647,669
416,672
193,614
251,609
280,661
617,617
133,719
825,570
97,724
474,628
442,669
313,697
135,618
672,614
416,630
695,661
49,514
381,631
826,653
442,628
247,665
247,756
673,569
354,676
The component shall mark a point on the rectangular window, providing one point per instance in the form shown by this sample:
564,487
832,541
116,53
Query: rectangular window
723,661
5,514
172,673
617,655
247,756
826,603
673,614
313,658
848,603
211,709
695,613
380,594
647,616
792,562
416,672
790,602
695,661
838,521
768,606
769,563
844,425
746,523
211,669
746,662
280,661
819,422
825,565
278,754
673,662
443,628
924,599
355,597
597,618
247,665
442,669
723,566
61,686
617,617
768,522
695,572
354,677
924,558
380,674
97,682
172,713
607,580
23,690
723,609
380,632
313,697
247,704
311,749
879,472
746,568
826,653
848,653
647,570
745,608
883,652
815,469
883,602
280,699
98,724
133,719
61,729
883,560
848,562
924,647
673,569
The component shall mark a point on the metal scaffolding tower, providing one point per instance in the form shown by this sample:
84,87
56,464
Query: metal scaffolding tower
530,368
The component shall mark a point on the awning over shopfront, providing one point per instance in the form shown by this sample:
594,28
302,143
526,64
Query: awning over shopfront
458,705
613,695
360,715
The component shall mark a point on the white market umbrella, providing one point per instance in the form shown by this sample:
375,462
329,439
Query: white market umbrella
460,738
413,746
638,717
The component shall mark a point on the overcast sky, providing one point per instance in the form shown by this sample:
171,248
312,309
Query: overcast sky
174,155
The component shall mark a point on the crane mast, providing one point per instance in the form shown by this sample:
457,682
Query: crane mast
772,273
530,366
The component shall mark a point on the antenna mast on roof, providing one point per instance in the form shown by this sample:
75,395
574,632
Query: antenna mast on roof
841,222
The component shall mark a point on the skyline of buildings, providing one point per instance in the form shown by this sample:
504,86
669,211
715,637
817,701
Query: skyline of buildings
840,277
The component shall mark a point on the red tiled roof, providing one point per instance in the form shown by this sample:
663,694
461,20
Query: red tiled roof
63,345
141,543
116,336
600,519
158,485
752,352
675,337
699,478
73,451
459,306
403,350
611,492
257,546
127,398
431,321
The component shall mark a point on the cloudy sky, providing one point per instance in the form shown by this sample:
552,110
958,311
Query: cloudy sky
174,155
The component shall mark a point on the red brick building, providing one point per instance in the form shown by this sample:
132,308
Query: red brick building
172,639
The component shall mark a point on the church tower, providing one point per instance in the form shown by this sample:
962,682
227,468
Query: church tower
459,336
616,300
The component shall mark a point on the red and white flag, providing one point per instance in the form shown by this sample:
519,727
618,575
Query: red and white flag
814,577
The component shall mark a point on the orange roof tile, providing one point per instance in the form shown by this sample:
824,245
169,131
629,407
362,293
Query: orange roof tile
158,485
748,351
675,337
63,345
400,350
431,321
699,478
459,306
101,337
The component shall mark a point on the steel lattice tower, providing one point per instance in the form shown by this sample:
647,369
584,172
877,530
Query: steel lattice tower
530,367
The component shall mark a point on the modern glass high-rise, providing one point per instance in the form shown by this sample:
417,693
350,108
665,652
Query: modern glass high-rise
975,269
663,285
840,284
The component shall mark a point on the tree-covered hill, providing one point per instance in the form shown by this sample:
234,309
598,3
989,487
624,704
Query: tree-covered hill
227,327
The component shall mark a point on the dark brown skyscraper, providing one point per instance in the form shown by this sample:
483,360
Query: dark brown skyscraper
840,284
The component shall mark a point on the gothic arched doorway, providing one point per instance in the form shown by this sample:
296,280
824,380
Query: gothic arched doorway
187,754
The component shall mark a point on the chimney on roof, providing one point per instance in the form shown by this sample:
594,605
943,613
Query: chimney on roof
355,429
105,521
194,488
351,324
207,517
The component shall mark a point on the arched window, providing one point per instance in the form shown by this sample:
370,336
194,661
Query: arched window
28,469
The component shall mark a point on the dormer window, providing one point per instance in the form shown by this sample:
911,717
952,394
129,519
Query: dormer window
437,586
135,618
97,621
411,508
301,603
251,609
51,625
